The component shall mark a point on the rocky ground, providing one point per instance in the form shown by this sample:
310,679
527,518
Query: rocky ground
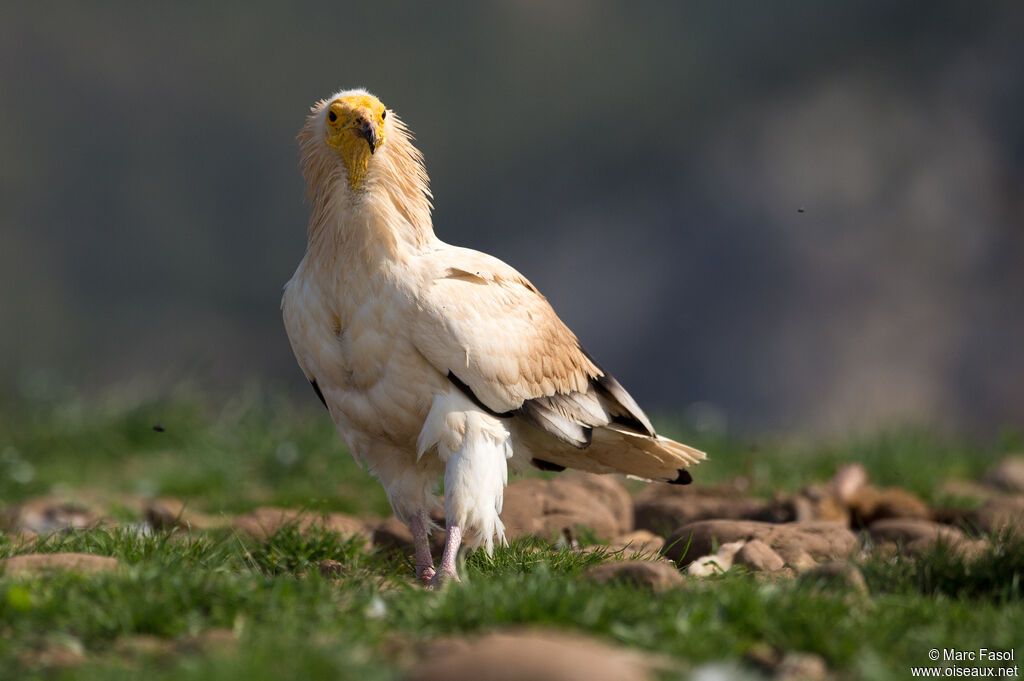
656,537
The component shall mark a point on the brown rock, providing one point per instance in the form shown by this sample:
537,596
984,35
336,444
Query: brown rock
264,522
848,481
816,502
758,556
820,540
144,645
31,563
43,515
1002,516
168,514
800,561
216,640
331,568
662,514
653,575
967,548
905,531
55,654
715,564
801,667
610,490
955,516
869,505
836,573
545,507
968,490
537,656
639,542
733,489
1007,475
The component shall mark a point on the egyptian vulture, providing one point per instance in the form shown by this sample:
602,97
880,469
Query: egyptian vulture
437,359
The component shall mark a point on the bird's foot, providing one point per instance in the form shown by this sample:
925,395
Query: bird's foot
425,574
442,577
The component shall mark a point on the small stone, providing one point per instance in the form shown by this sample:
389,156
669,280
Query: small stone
144,645
819,540
55,654
34,563
1002,516
216,640
662,514
968,491
848,481
44,515
758,556
905,531
721,561
262,523
1007,475
815,502
168,514
836,573
653,575
800,560
640,542
801,667
536,655
764,657
331,568
869,505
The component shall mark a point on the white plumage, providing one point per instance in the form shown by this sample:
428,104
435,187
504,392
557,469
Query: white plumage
437,359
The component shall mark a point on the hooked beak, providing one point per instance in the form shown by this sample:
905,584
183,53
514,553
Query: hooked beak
368,132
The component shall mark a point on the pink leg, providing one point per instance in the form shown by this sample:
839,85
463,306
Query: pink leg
421,540
447,571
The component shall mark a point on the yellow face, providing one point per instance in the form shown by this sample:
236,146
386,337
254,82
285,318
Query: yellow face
354,127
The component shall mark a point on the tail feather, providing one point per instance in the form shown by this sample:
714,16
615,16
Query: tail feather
616,450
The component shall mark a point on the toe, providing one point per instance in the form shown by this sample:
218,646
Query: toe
426,574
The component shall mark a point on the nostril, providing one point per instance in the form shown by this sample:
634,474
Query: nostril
331,116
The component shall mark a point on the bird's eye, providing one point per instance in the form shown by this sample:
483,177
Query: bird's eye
384,114
331,116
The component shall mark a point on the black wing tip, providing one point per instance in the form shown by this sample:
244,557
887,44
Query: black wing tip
319,393
541,464
684,478
609,386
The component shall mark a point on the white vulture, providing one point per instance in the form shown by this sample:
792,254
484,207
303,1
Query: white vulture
434,359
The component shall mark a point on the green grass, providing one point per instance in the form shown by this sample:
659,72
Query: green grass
291,622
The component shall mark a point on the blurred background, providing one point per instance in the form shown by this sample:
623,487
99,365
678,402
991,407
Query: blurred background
772,216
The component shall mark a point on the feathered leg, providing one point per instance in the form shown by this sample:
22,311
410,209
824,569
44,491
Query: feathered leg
421,540
475,447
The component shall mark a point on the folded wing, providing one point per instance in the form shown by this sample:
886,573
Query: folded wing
498,340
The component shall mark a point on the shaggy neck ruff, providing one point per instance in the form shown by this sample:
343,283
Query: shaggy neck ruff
386,219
